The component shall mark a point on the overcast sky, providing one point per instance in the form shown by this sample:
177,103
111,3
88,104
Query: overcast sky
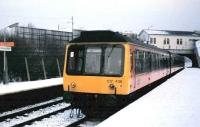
117,15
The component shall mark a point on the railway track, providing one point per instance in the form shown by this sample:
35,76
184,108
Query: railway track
75,124
85,122
29,122
43,114
28,109
30,114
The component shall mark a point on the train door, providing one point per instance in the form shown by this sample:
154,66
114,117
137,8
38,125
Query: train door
132,68
136,65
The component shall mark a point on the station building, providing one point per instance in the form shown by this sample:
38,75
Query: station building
175,41
179,42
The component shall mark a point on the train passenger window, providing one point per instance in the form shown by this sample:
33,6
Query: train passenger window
154,61
145,62
139,61
159,61
148,61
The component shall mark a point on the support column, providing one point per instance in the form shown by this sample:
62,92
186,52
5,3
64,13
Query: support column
58,65
44,70
27,69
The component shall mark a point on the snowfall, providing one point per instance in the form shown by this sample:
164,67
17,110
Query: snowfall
175,103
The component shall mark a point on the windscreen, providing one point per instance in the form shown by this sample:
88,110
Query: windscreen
95,60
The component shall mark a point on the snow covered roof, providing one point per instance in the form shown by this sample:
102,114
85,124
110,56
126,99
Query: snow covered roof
170,32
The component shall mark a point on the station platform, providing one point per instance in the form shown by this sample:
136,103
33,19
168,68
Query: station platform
19,94
174,103
16,87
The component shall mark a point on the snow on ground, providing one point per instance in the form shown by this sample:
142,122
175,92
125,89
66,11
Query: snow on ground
175,103
28,116
24,86
188,62
58,120
29,107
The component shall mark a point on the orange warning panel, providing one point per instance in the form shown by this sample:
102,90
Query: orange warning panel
8,44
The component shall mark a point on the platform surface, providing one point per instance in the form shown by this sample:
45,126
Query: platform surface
16,87
175,103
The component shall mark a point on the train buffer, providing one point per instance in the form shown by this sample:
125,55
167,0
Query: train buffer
175,103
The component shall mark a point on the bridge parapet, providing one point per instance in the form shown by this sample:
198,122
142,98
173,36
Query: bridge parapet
181,51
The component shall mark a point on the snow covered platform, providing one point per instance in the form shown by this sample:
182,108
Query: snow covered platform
31,85
19,94
175,103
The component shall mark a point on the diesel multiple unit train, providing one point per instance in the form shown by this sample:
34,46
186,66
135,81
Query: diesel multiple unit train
104,66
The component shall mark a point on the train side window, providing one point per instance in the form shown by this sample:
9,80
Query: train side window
141,61
144,62
131,60
161,61
75,60
157,62
71,61
137,62
152,61
148,61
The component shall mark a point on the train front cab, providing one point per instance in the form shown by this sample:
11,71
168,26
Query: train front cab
94,71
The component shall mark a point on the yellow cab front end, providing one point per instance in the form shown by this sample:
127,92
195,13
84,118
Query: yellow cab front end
97,68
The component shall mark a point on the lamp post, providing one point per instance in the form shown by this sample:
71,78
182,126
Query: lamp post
72,23
5,70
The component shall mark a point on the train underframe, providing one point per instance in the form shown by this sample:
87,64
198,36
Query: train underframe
91,104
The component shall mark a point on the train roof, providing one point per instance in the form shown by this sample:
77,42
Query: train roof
101,36
109,36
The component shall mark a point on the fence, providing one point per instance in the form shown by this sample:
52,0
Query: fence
37,54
